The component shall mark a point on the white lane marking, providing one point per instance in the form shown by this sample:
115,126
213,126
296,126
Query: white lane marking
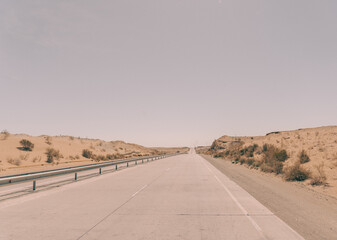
139,190
256,226
145,186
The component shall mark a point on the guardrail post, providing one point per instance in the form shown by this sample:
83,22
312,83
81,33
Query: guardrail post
127,164
136,162
34,185
116,167
76,176
142,160
100,171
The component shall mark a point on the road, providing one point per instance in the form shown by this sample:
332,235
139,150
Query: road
181,197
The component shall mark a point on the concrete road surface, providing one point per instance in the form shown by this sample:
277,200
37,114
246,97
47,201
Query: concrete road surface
181,197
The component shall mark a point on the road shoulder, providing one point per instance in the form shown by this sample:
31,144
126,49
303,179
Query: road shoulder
311,214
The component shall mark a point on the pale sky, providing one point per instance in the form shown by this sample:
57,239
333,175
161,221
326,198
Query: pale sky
167,73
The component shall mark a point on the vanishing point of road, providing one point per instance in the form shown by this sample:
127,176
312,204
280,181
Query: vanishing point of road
180,197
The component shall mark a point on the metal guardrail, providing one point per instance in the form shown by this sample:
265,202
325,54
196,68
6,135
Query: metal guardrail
4,180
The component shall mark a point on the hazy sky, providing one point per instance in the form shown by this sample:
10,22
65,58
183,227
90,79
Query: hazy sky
165,73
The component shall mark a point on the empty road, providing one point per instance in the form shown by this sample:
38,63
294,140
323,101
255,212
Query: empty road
181,197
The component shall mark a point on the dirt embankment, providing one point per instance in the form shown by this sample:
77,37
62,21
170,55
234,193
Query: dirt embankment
46,152
307,155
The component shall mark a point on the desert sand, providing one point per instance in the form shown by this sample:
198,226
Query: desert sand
14,160
320,144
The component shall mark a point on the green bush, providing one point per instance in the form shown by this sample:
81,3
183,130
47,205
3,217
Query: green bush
26,145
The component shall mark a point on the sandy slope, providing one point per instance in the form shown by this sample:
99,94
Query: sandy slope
319,143
71,149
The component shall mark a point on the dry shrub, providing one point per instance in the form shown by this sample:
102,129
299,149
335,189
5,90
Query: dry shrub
273,159
24,157
242,160
48,140
303,157
250,161
26,145
37,159
100,158
14,161
296,173
219,155
239,154
319,178
87,153
114,156
248,151
71,138
53,154
256,164
5,134
74,157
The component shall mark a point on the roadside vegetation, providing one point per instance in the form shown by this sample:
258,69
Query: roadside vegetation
296,173
100,157
52,155
26,145
319,176
303,157
271,159
4,134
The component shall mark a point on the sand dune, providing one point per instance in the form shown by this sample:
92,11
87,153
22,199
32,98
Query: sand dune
320,144
14,160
